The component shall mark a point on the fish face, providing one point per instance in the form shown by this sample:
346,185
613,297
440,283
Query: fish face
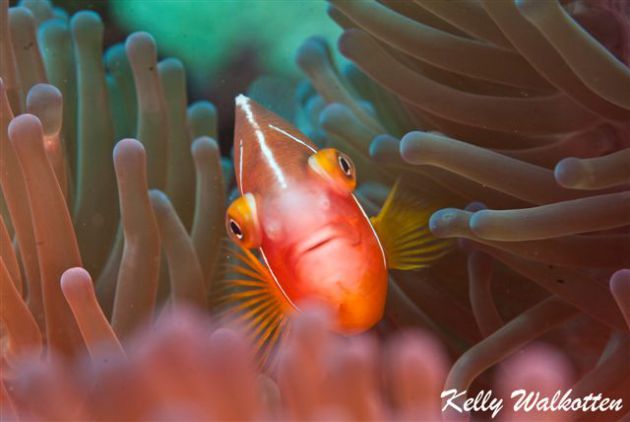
320,246
297,207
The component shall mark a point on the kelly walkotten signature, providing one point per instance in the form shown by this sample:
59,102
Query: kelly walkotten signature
528,401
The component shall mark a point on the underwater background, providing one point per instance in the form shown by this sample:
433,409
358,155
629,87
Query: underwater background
116,171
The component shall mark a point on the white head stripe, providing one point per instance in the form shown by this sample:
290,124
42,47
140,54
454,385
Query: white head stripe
240,166
243,102
277,129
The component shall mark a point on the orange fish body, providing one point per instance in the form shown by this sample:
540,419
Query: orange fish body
313,235
298,209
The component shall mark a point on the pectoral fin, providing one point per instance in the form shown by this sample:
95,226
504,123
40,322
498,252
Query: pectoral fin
402,228
253,297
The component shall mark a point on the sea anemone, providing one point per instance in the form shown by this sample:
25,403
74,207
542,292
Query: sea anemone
519,114
183,367
158,244
494,107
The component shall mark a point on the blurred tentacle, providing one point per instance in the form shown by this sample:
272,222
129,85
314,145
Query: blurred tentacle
339,119
576,288
208,224
9,411
26,50
489,168
595,173
608,372
180,172
539,367
41,9
386,149
97,334
313,108
152,129
23,333
481,136
536,115
140,263
57,247
375,192
403,311
314,58
352,382
541,54
120,69
55,41
600,212
581,290
61,14
594,64
456,323
108,277
10,259
95,213
123,79
469,17
582,251
46,103
391,113
186,277
202,120
339,18
8,62
57,395
13,188
479,279
420,14
453,53
370,208
464,83
415,368
590,143
527,326
117,109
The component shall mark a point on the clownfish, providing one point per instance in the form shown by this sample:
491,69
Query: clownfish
314,240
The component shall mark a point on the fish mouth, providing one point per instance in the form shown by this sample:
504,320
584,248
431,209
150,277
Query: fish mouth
319,243
326,235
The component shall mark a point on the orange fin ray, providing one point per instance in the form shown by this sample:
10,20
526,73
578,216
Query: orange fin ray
251,296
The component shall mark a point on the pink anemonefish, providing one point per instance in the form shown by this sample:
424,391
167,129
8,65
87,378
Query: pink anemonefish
296,206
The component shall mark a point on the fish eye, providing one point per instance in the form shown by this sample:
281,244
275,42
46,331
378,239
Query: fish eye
345,164
241,222
336,168
236,229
